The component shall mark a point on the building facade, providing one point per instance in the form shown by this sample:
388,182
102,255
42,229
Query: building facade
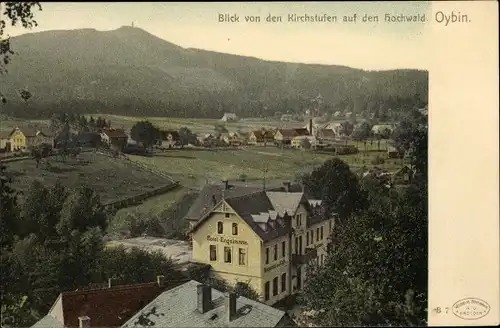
265,239
22,138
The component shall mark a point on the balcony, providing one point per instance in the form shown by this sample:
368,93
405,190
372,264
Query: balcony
299,259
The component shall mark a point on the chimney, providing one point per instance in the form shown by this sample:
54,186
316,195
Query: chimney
214,200
230,306
287,186
226,184
84,322
310,126
204,298
161,281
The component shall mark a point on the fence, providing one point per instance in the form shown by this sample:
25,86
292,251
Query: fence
134,200
143,166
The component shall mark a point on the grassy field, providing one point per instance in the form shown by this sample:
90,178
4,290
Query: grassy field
111,178
197,125
195,168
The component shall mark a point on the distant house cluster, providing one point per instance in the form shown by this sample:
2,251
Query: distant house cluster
22,138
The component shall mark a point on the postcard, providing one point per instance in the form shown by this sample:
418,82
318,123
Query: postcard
249,164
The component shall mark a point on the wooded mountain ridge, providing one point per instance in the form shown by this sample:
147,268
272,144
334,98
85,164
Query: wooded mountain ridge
129,71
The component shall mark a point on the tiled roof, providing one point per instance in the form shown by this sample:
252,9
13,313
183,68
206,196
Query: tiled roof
109,307
302,132
285,202
204,202
268,214
178,308
326,133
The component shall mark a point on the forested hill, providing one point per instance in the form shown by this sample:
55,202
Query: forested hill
131,72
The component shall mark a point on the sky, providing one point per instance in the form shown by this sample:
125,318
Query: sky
372,46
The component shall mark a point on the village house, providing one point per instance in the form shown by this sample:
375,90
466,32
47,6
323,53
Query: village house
229,117
261,137
326,135
231,139
298,142
169,139
116,137
268,236
25,137
106,306
193,304
283,137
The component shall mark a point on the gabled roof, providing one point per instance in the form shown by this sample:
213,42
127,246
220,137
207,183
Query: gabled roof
327,133
28,131
109,307
266,213
178,308
212,193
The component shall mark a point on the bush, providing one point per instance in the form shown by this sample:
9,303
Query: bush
378,160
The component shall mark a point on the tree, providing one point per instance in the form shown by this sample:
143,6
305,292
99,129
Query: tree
375,272
336,186
80,211
187,137
145,132
13,12
9,221
305,144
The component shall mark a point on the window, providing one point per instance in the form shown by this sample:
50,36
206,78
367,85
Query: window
300,245
227,254
283,282
275,286
235,229
297,221
227,215
220,227
317,234
312,236
296,244
330,226
242,256
283,249
266,291
213,253
275,252
267,255
307,238
321,232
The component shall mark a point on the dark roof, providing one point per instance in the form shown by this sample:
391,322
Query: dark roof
290,133
204,202
178,308
260,134
302,132
263,204
110,307
326,133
